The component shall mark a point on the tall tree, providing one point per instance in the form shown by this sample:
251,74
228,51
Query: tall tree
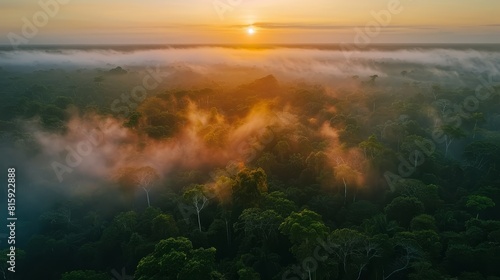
451,133
249,186
304,229
347,175
479,203
145,178
476,117
352,250
195,195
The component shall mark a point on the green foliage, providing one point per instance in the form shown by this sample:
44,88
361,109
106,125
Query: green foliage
427,194
371,146
175,258
248,274
424,270
133,120
322,169
278,202
358,211
261,225
379,224
479,203
352,250
423,222
428,240
158,132
303,229
250,186
63,102
164,226
85,275
403,209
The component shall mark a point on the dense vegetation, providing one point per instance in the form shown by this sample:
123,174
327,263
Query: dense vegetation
372,181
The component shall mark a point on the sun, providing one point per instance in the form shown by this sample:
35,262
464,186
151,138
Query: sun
250,30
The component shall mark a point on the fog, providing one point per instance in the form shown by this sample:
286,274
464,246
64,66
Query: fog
305,63
94,150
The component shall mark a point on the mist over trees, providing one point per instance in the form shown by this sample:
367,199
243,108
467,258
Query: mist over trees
252,172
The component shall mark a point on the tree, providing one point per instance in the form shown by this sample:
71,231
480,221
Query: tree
133,120
85,275
278,202
427,194
130,178
115,235
444,105
267,161
480,154
164,226
282,149
349,176
410,147
479,203
424,270
379,224
427,240
249,187
327,205
304,226
406,252
353,250
394,131
360,210
477,117
372,145
62,102
423,222
196,196
248,274
303,229
403,209
372,79
451,133
145,178
435,90
261,224
175,258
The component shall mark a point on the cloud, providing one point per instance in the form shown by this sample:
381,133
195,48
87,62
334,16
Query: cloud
332,60
274,25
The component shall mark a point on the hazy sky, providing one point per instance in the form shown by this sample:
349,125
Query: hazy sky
274,21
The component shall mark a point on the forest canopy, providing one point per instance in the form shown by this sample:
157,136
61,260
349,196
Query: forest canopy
300,166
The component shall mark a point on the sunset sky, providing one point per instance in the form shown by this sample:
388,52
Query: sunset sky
274,21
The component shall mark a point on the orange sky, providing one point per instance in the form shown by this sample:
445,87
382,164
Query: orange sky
275,21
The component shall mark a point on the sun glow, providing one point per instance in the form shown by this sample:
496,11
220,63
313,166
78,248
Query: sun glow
250,30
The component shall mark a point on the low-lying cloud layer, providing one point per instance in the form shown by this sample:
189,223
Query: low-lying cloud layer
298,62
